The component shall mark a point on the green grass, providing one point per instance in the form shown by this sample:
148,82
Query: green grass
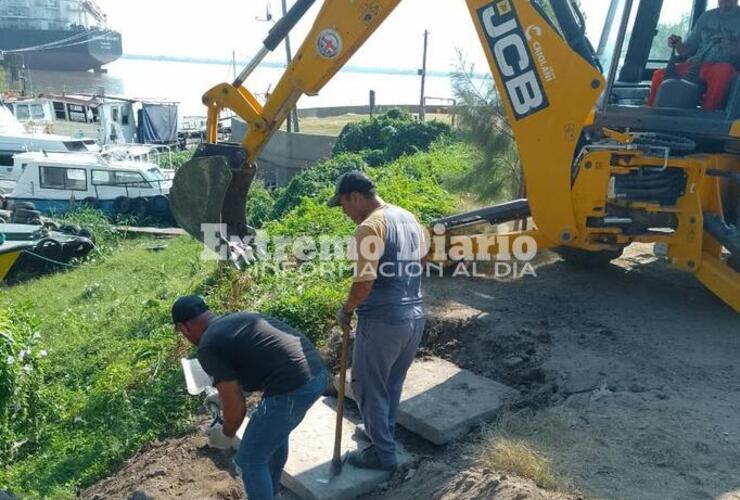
111,378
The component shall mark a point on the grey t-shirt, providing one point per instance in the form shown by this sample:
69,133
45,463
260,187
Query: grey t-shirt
712,25
260,352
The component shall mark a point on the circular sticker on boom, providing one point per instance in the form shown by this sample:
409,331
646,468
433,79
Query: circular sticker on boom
329,44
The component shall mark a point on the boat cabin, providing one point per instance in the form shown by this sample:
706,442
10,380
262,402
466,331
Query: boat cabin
110,120
15,139
55,183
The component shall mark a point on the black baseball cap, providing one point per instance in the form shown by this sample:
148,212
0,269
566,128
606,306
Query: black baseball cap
353,181
187,308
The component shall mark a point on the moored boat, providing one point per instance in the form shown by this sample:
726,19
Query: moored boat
55,183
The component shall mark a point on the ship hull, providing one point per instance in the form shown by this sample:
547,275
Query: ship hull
84,51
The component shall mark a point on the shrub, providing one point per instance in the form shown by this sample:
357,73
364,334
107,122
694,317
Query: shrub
310,307
312,217
423,197
260,204
313,180
175,159
394,133
21,379
106,236
374,157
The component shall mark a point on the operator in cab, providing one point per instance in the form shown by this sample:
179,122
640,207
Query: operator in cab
249,352
715,43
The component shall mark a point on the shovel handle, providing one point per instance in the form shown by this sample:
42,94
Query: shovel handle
340,398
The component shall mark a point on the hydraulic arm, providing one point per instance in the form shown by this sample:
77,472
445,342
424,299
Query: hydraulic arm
550,90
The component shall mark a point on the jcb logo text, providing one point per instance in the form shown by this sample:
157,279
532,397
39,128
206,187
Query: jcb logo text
513,58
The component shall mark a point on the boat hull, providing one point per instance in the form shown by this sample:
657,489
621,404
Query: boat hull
108,207
86,50
8,259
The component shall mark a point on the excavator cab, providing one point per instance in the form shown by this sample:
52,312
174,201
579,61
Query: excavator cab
638,30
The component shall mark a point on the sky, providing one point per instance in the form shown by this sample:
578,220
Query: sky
215,29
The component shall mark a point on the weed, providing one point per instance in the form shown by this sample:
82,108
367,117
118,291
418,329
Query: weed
311,182
509,446
174,159
112,380
260,205
106,236
516,456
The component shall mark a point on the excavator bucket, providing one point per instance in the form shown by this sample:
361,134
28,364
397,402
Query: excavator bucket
212,189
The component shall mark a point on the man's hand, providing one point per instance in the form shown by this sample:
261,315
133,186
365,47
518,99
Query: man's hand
213,399
344,317
675,42
217,439
234,410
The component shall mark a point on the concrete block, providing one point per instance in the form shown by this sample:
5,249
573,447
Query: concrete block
309,462
441,402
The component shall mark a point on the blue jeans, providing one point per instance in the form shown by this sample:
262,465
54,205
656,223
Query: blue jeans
382,355
264,449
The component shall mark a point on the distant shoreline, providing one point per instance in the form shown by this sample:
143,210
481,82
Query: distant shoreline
268,64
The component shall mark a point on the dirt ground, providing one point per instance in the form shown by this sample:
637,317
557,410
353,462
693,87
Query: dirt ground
628,378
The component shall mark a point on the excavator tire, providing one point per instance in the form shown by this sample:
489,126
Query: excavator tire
587,259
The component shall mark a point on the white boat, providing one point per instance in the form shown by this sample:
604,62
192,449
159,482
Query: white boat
146,153
108,119
56,182
14,139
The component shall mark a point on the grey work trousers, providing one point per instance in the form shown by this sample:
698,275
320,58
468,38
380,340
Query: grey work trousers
382,354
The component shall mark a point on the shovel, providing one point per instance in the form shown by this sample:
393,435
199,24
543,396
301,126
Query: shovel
337,461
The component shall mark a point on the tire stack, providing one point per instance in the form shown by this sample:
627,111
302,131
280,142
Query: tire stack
156,208
24,212
58,250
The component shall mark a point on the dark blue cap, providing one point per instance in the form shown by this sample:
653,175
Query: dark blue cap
188,308
352,182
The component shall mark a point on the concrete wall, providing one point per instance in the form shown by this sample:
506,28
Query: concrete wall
286,154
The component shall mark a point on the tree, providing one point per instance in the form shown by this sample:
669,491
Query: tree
482,121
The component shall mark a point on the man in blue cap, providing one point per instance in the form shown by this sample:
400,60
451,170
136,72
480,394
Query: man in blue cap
389,250
247,352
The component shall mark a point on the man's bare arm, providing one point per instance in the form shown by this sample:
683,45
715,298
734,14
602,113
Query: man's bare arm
357,294
232,403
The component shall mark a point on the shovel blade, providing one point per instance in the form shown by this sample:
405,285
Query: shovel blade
212,188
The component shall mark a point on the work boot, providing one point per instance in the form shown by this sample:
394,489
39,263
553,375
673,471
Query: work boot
368,459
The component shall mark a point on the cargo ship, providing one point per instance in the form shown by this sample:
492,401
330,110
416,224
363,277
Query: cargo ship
60,35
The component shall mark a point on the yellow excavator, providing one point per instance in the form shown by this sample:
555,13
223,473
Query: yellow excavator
602,169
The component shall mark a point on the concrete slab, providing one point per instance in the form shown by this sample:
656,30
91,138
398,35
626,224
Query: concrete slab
441,402
309,462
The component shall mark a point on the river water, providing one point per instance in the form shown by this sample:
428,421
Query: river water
185,82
